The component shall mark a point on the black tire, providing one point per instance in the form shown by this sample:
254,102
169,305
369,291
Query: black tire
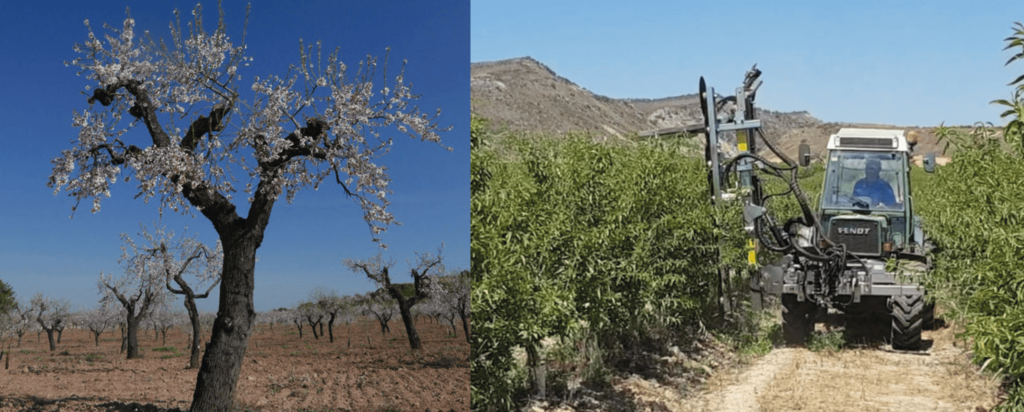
907,320
797,320
929,316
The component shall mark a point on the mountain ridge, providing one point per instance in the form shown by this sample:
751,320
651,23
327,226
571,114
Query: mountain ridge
524,94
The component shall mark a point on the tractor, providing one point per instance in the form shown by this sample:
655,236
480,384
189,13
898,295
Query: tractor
859,254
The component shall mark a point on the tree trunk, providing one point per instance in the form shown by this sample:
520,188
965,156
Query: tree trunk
538,370
60,332
451,321
465,325
313,325
193,316
49,335
222,362
133,336
410,328
97,335
330,328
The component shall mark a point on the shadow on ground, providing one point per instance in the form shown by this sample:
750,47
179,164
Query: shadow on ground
38,404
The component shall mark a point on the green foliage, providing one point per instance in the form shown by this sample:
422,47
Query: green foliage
1014,399
407,289
759,340
973,214
831,341
1014,130
173,352
568,234
477,128
7,297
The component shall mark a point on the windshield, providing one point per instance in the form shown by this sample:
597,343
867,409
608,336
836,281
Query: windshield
864,180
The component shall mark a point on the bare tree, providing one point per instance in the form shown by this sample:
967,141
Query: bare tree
313,314
50,314
377,270
195,80
98,319
185,256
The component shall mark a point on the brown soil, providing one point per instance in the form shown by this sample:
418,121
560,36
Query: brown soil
279,373
865,379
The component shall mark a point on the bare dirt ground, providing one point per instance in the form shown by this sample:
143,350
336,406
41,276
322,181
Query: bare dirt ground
279,373
860,379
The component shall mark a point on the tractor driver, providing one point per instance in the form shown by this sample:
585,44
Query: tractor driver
874,187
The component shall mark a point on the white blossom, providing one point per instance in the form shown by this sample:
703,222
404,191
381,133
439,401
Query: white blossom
200,70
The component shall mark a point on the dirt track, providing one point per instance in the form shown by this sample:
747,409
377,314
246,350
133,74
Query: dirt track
871,379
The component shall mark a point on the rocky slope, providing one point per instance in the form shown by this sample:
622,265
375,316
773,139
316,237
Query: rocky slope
524,94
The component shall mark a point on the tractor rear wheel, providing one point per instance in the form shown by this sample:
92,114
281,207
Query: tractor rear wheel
929,316
907,320
797,319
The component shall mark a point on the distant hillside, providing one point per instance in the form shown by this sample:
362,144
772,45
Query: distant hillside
524,94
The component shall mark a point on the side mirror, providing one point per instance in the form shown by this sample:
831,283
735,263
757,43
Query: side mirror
929,163
804,154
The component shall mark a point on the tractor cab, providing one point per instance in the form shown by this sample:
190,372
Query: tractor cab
865,201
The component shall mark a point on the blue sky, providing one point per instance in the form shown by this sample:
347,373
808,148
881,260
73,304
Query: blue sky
42,250
908,63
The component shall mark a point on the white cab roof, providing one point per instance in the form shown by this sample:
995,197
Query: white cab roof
869,139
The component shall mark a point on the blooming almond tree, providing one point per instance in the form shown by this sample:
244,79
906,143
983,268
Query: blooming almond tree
21,318
282,135
378,271
296,318
98,319
449,297
331,304
379,305
185,256
50,314
139,291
